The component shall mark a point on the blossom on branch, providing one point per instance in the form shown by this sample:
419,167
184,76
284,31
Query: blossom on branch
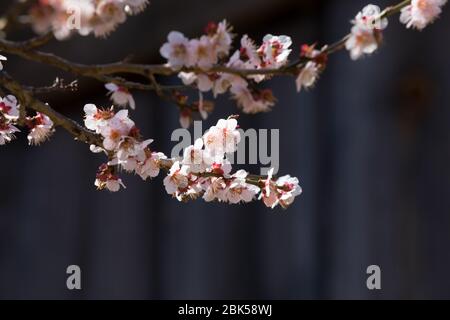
41,128
106,179
98,17
309,74
366,34
9,107
421,13
121,96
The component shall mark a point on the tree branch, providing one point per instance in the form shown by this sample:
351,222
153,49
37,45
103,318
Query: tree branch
28,101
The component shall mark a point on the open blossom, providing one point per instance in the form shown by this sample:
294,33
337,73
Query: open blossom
41,128
239,190
106,179
275,51
223,137
421,13
366,33
109,14
362,41
203,53
221,37
288,188
149,168
215,190
370,18
282,192
9,107
130,152
177,50
307,76
177,178
9,112
197,159
116,128
95,119
248,52
7,132
309,73
120,95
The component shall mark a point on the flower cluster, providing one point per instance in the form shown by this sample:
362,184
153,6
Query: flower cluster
198,57
205,172
9,114
366,34
40,126
98,17
123,143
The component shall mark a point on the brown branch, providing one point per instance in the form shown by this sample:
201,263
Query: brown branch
76,130
28,101
57,86
109,72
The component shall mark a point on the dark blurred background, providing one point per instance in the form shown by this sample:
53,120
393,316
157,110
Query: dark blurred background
370,145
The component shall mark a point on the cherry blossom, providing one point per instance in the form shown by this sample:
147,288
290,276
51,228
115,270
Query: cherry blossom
9,108
215,189
310,72
177,178
200,175
115,129
177,50
203,53
197,159
205,65
288,189
366,33
421,13
96,119
223,137
106,179
281,192
7,132
239,190
370,18
41,128
149,168
308,76
274,51
362,41
120,95
98,17
109,14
